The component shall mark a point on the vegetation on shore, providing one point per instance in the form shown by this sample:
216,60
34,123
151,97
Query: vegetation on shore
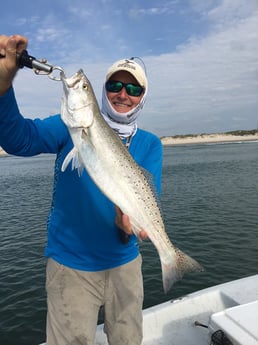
185,136
235,133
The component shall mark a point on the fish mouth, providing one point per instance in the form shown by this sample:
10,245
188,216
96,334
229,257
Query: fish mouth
71,82
83,106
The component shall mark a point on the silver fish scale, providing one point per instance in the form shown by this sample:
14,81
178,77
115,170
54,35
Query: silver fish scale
118,176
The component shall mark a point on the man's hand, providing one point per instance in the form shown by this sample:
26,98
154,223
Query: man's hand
9,47
123,222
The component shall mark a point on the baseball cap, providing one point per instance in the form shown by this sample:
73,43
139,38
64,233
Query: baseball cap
130,66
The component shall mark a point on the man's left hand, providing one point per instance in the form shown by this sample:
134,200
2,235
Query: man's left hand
123,222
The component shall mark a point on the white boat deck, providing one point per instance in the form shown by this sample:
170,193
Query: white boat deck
231,307
240,323
173,323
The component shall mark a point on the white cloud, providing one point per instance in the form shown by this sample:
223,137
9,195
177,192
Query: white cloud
212,80
207,83
49,34
229,12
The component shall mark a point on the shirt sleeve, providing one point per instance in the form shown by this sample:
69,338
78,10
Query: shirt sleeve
27,137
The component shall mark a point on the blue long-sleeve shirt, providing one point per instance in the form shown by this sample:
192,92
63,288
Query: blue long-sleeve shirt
81,225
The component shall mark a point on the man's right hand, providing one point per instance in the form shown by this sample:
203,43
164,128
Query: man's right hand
9,47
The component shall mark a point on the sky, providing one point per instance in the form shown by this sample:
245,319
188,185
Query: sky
201,57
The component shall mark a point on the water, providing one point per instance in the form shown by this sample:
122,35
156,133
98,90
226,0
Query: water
210,206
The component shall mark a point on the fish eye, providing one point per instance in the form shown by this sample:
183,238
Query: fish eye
85,86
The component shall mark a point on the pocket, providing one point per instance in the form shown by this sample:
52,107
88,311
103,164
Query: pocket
52,271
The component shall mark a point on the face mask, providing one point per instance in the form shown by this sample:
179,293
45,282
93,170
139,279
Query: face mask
123,123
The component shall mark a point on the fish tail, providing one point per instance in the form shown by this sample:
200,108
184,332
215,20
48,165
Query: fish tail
175,269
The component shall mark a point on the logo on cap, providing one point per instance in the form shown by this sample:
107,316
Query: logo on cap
126,64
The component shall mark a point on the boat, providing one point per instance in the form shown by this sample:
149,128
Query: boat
224,314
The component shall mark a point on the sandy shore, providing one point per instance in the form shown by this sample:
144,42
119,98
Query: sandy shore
196,139
208,138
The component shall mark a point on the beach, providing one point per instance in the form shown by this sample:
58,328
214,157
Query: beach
207,138
195,139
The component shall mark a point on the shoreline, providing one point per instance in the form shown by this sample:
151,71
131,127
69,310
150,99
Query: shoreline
208,138
195,139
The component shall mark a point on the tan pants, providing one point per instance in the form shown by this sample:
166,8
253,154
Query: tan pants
74,298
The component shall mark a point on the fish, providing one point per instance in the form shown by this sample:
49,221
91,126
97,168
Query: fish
98,149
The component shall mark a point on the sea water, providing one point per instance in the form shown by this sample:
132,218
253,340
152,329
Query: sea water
210,208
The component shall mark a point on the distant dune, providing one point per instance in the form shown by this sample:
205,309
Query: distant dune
210,138
251,135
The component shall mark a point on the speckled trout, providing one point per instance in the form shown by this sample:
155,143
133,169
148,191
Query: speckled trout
99,150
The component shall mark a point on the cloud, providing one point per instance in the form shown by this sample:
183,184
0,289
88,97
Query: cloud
211,81
78,12
229,12
150,11
203,75
49,34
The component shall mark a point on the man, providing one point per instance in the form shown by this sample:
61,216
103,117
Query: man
93,256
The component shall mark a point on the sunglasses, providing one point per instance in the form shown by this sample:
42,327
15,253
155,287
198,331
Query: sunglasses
131,89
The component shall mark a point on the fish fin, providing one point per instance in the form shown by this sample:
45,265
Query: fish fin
84,134
73,157
174,271
68,159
